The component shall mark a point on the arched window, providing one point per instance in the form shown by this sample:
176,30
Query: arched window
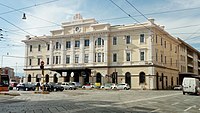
29,78
99,42
55,78
128,78
98,78
142,77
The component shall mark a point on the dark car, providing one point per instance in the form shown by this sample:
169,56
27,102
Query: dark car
25,87
55,87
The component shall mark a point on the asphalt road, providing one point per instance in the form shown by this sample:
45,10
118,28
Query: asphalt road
102,101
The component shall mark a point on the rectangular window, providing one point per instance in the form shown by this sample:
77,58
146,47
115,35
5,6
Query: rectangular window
99,41
48,47
39,47
128,39
53,59
156,39
56,59
165,59
59,59
31,47
114,57
38,61
47,61
161,57
68,44
165,44
86,58
161,41
170,47
171,61
128,56
142,56
99,57
76,58
87,42
95,56
77,43
156,56
67,59
30,61
141,38
114,40
102,57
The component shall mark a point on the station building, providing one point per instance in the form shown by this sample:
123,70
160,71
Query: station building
143,55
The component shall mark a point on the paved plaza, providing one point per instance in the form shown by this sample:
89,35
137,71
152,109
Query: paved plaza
101,101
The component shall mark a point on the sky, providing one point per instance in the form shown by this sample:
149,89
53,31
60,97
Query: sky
181,18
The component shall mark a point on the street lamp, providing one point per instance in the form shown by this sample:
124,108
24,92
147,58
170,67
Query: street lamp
72,75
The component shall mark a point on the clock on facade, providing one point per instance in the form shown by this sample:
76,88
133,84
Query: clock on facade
77,29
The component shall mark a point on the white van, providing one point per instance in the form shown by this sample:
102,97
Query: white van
190,85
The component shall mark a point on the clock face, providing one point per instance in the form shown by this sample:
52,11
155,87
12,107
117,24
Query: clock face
77,29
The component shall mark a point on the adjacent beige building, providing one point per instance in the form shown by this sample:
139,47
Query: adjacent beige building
83,50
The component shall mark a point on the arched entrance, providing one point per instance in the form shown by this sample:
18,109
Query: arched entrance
55,78
162,78
85,77
38,77
76,77
128,78
67,78
157,81
29,78
142,77
46,78
98,78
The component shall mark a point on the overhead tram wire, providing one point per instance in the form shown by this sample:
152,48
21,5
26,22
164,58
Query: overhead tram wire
22,29
27,6
30,15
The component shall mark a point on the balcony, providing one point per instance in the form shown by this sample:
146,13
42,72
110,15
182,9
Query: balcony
190,56
190,65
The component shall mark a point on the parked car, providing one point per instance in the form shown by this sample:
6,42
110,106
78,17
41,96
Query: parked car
88,86
109,86
25,87
178,87
69,86
47,87
56,87
124,86
77,84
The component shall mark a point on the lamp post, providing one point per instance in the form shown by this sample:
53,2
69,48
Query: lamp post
42,68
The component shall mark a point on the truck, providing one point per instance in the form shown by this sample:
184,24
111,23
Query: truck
191,85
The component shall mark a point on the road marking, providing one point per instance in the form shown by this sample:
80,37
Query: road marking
175,103
155,110
126,102
186,100
190,108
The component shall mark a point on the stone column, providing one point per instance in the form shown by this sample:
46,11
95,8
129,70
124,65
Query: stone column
51,54
92,48
106,49
81,57
72,51
63,52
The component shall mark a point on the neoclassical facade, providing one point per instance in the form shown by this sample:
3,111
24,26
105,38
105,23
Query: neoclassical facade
83,50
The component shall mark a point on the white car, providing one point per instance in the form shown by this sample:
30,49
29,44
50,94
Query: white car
68,86
109,86
124,86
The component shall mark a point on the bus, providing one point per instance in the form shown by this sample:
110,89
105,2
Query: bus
4,82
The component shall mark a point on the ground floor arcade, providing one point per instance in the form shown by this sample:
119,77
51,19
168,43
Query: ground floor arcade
136,77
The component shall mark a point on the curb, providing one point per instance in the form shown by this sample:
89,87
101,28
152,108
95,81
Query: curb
41,92
10,94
